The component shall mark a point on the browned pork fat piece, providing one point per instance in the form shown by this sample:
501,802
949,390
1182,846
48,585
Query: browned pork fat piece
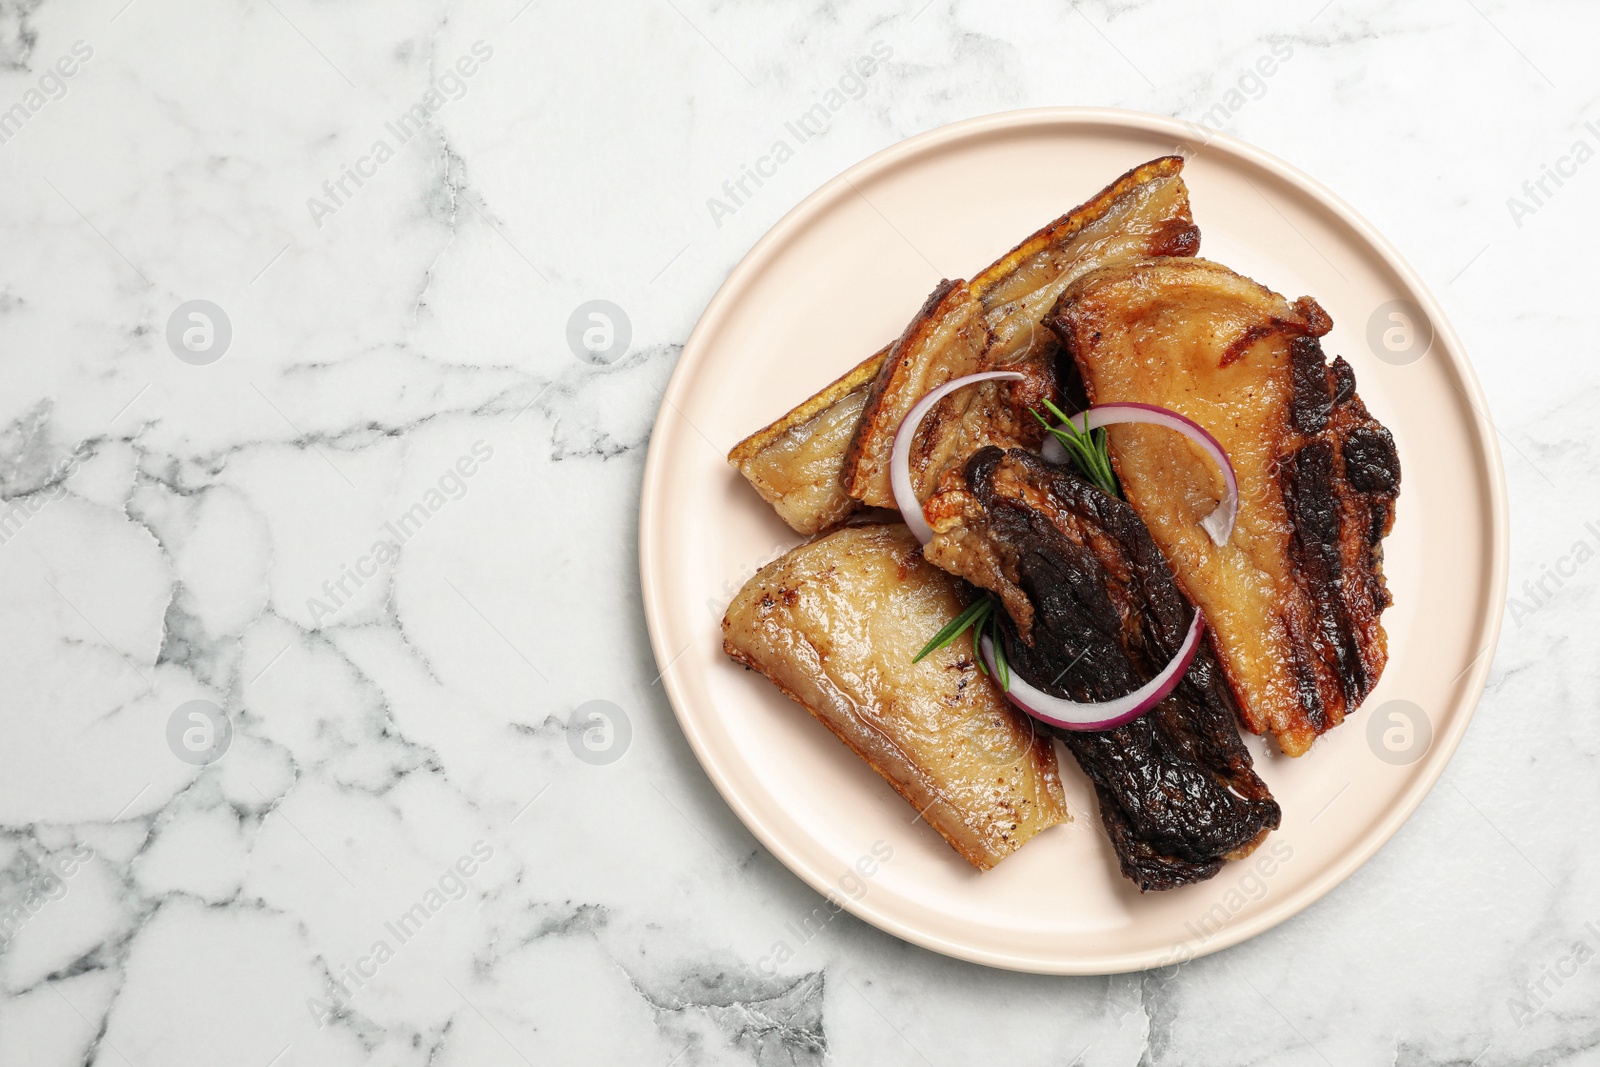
1178,794
795,463
993,324
1294,598
814,464
947,339
835,625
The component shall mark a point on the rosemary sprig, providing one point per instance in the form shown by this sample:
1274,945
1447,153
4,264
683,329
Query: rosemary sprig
1089,450
981,615
1002,669
976,615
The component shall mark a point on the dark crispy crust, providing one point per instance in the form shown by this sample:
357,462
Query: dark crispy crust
1340,484
1178,794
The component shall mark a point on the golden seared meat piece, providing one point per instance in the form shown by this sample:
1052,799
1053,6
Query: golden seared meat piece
835,624
1293,599
832,451
1143,213
993,324
948,339
794,463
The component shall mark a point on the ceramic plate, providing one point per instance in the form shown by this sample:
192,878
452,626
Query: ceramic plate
841,274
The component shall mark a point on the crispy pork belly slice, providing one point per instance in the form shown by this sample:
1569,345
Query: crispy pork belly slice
993,324
1178,794
947,339
1294,599
1143,213
798,463
795,463
835,624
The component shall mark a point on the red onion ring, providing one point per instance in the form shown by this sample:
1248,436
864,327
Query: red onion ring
1219,524
1104,714
905,497
1056,711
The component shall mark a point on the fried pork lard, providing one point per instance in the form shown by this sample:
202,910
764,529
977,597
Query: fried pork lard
1294,598
835,624
818,462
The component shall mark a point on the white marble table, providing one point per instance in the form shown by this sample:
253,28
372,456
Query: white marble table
384,359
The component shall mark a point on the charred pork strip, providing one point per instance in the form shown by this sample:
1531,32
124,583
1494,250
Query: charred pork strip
1294,597
1177,790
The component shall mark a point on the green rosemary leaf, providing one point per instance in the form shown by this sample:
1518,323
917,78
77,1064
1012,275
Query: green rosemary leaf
1102,452
1061,417
1088,450
974,615
982,617
1001,667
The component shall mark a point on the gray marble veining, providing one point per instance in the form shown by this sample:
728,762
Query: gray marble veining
362,523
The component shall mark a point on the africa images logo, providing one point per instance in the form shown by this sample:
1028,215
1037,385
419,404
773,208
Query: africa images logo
447,88
452,484
452,885
51,86
812,122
